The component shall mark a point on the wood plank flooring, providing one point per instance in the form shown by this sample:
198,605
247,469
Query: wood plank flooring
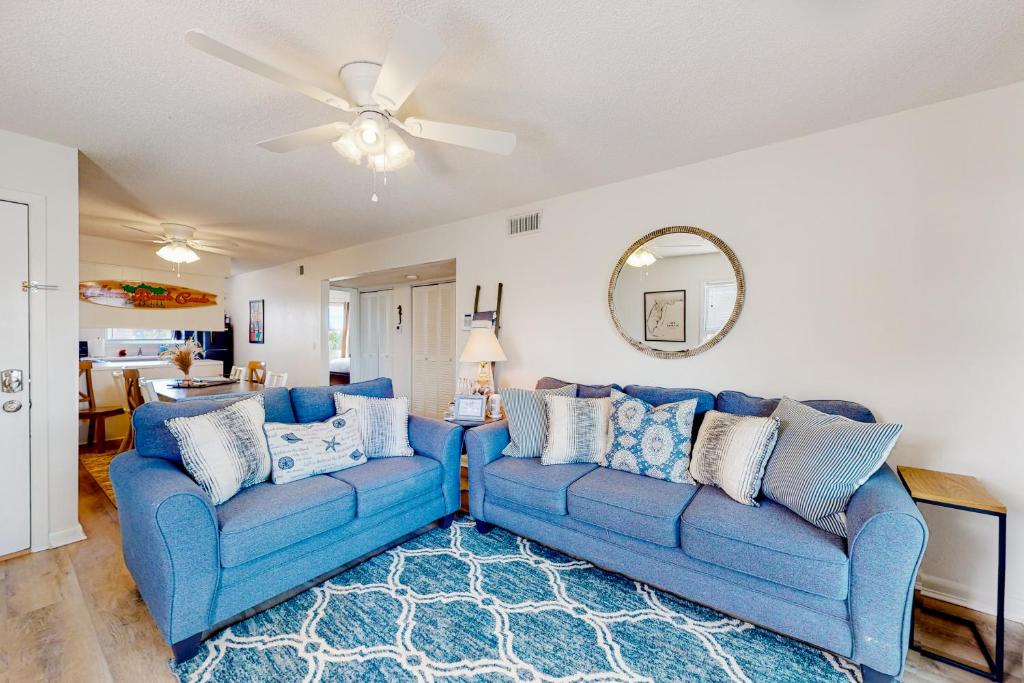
74,614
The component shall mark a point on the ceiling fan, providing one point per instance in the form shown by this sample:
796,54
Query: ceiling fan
377,92
180,243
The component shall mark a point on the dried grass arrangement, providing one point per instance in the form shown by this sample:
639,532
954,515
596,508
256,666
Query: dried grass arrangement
182,356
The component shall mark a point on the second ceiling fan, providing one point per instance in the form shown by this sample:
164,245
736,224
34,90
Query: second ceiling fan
377,92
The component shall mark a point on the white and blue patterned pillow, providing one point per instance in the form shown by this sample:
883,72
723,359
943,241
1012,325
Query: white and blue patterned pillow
303,450
383,423
528,419
821,460
224,450
577,429
648,440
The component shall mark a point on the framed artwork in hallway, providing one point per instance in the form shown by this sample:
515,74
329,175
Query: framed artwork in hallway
256,321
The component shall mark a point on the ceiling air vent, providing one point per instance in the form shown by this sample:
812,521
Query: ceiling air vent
524,224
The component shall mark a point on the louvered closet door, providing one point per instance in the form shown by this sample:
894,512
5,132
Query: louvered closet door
367,336
433,346
385,359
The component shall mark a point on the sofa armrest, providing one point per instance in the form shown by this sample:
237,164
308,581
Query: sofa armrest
171,542
886,537
441,441
483,446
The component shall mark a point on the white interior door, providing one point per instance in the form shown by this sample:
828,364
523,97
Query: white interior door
15,531
367,336
433,348
385,357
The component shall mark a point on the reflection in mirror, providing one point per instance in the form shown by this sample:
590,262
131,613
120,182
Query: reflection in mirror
676,293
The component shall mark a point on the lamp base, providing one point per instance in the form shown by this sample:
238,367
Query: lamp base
482,385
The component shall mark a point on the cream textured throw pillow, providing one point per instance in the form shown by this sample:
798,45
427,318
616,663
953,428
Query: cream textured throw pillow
224,450
303,450
731,453
577,429
383,422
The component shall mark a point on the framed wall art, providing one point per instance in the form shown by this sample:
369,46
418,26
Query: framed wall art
256,321
665,315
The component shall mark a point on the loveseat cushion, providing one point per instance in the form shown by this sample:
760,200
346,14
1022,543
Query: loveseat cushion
630,504
313,404
582,390
526,482
384,482
738,403
768,541
264,518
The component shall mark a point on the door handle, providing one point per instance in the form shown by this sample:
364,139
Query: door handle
12,406
11,381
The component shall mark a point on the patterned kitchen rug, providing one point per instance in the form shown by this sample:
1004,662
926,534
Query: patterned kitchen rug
98,467
455,605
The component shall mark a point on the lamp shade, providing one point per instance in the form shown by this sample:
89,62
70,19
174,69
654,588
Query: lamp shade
482,347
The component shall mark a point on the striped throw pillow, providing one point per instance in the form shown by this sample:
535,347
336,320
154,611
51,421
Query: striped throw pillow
224,450
577,429
383,422
821,460
731,452
528,419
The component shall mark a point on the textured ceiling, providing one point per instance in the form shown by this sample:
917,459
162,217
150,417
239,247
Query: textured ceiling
596,91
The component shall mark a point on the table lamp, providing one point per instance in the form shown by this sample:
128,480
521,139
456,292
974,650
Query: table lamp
483,348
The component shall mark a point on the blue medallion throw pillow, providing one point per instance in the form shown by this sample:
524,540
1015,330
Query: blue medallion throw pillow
298,451
650,440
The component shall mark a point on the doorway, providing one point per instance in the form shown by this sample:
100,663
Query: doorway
15,485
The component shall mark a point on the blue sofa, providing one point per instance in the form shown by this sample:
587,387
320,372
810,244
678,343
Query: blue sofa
198,565
762,564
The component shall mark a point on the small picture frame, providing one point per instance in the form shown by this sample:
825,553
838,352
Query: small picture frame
256,321
665,316
470,407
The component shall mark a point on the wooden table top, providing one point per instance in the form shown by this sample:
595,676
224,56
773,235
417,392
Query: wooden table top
167,392
932,486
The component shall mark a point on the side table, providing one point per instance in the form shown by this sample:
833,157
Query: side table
961,492
464,469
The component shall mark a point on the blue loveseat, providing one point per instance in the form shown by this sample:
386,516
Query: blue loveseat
766,565
197,564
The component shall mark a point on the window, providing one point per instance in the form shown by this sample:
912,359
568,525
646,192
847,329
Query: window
124,334
337,329
719,300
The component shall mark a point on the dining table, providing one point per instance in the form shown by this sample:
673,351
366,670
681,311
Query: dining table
170,391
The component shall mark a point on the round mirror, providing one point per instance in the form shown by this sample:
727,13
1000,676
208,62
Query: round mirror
676,292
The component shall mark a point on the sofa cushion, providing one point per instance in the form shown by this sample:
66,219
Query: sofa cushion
657,396
527,482
738,403
768,541
385,482
265,518
630,504
313,404
582,390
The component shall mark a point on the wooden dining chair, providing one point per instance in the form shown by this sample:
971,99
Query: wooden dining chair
257,371
276,379
132,397
237,373
96,415
149,394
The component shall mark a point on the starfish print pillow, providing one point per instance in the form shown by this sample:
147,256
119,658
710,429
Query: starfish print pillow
298,451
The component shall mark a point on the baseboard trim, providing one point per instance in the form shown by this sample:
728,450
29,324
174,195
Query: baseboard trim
65,536
959,594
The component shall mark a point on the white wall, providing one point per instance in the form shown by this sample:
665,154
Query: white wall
106,259
882,259
50,172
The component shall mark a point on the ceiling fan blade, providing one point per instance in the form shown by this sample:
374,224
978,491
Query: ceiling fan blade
217,244
210,46
211,249
413,50
155,238
496,141
303,138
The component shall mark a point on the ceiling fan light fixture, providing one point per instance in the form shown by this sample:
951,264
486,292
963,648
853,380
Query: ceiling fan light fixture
370,130
641,258
177,252
346,146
